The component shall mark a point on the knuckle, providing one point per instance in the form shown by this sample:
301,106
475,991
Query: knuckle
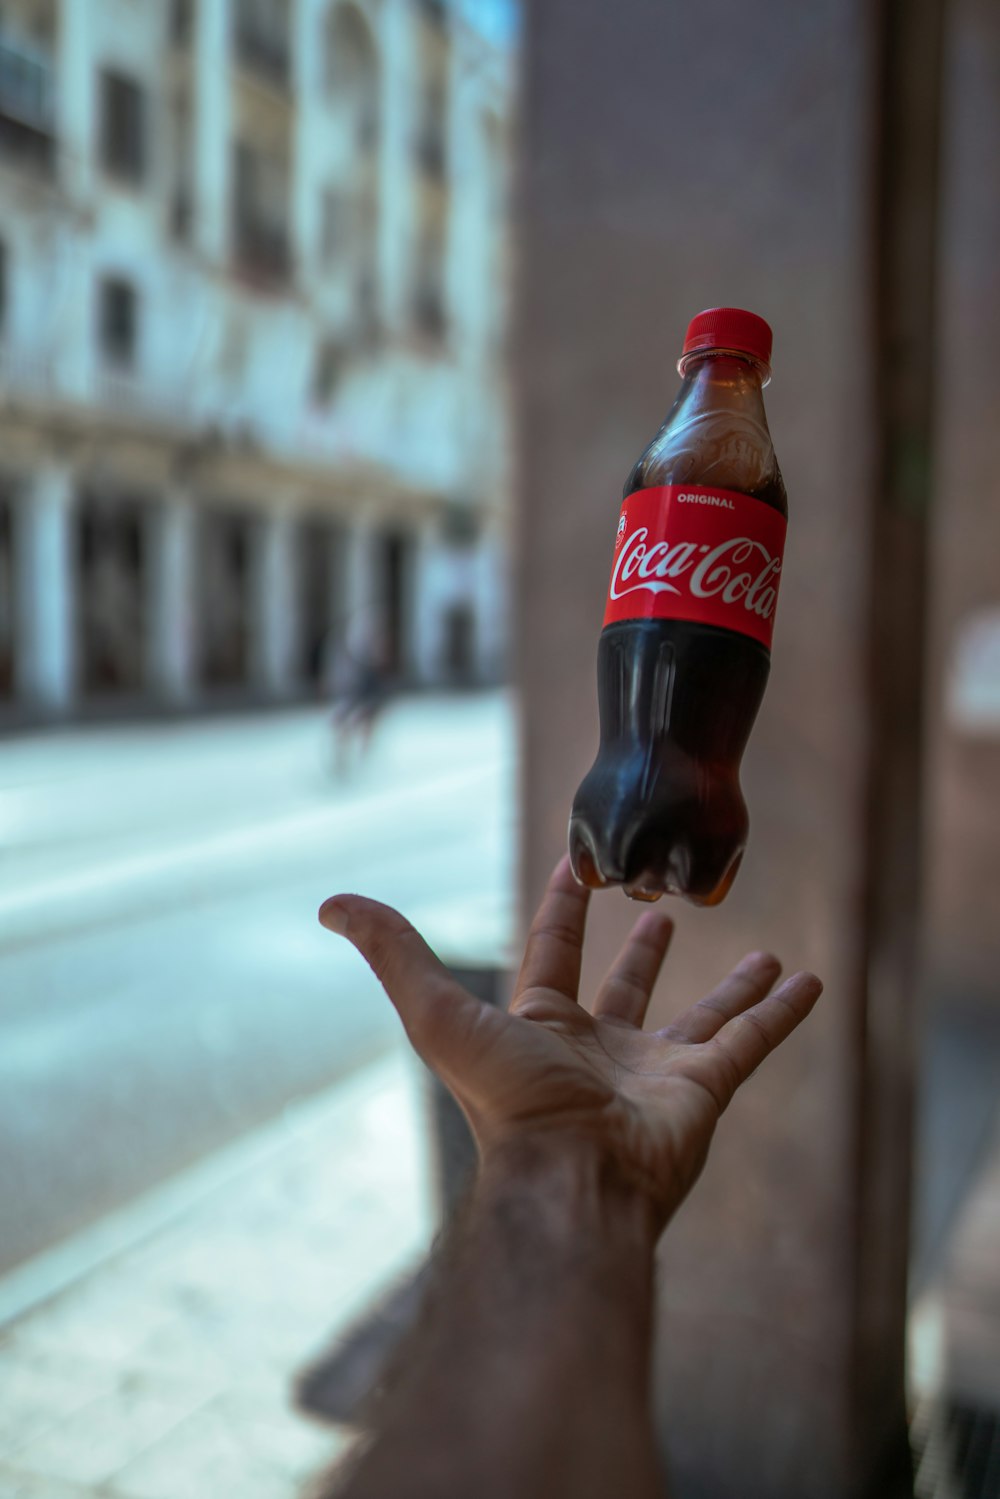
559,931
379,953
631,985
651,942
729,1067
756,1024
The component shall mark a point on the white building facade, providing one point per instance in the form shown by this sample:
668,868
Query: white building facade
252,288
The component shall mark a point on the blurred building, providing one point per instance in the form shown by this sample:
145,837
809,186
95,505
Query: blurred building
252,300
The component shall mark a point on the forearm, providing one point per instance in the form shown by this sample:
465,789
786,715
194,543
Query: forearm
529,1375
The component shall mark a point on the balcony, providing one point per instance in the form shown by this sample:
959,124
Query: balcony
262,50
261,253
27,132
34,384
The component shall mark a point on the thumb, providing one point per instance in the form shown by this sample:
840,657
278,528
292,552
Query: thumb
432,1005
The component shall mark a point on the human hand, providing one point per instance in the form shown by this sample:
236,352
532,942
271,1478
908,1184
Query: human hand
646,1102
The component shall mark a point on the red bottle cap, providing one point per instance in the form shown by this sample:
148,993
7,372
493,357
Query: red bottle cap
729,328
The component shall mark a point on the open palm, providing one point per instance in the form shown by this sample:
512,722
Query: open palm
649,1100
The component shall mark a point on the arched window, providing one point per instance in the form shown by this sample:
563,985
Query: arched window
350,72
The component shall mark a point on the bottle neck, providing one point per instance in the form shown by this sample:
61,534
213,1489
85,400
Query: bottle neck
735,377
716,431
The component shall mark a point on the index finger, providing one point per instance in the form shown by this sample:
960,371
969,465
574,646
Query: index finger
553,951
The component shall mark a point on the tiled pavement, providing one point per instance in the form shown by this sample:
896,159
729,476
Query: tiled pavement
167,1373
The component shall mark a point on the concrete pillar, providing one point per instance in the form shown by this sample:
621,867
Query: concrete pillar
45,665
76,98
963,873
275,606
303,189
362,601
427,601
490,591
172,605
212,143
783,1285
470,291
397,166
64,331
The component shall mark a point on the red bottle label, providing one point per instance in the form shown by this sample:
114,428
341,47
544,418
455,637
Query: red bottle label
712,556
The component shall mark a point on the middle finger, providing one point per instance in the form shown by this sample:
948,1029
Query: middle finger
626,991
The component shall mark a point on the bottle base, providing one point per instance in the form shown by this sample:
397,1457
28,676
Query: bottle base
648,885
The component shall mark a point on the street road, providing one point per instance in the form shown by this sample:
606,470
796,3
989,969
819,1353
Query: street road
164,985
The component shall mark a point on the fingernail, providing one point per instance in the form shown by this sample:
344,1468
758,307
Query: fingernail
333,917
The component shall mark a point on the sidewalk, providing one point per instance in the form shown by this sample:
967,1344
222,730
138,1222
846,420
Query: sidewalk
166,1372
102,825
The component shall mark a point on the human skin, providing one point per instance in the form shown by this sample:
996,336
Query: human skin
529,1373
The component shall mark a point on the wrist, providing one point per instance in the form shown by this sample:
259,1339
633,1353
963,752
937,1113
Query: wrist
572,1185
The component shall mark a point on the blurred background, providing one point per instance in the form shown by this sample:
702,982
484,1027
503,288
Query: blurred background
255,477
274,410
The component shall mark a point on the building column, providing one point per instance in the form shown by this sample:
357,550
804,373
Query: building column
45,665
489,596
426,602
212,143
307,140
275,612
780,1327
170,660
397,168
75,98
363,603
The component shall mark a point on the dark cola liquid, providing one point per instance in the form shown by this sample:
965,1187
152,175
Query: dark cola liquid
661,810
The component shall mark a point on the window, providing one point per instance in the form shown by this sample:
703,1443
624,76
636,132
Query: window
434,12
181,19
26,110
327,371
118,316
262,38
25,85
123,122
349,62
331,230
429,312
260,213
367,306
181,147
431,135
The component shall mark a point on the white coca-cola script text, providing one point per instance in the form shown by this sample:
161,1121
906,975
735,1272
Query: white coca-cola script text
738,570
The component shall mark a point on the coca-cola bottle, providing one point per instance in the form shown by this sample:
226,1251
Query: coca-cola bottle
684,654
